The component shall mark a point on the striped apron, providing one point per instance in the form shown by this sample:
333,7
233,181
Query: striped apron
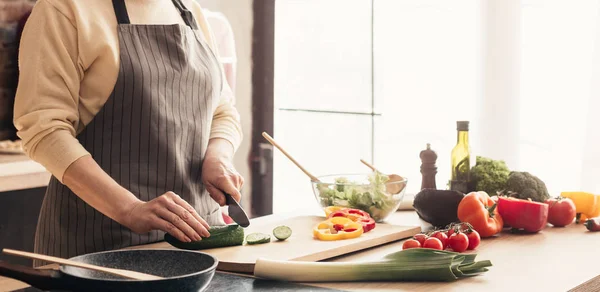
150,136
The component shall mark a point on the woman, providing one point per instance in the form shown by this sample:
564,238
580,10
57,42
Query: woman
125,103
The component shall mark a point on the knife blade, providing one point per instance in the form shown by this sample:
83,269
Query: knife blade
236,212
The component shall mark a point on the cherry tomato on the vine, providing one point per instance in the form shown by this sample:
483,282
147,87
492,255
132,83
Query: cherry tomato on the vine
434,243
411,243
458,242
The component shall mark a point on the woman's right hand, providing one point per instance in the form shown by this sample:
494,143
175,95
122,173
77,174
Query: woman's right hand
169,213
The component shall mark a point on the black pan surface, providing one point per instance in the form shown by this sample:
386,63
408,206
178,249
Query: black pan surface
183,271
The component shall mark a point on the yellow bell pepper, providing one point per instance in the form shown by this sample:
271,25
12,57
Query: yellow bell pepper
337,228
587,205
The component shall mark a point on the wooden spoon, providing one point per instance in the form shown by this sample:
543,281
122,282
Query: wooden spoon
272,141
116,272
392,187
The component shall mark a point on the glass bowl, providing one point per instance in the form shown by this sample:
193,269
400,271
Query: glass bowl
370,192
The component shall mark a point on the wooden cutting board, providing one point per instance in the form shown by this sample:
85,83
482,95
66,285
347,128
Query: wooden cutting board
301,246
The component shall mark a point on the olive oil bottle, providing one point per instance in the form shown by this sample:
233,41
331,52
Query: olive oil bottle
461,159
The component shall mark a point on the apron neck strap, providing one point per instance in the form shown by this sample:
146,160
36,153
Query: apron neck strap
123,16
121,12
187,15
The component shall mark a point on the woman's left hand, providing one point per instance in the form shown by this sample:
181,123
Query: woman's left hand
218,173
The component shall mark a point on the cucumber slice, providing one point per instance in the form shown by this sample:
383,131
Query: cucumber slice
282,232
258,238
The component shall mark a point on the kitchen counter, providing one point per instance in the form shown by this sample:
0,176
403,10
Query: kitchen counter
18,172
556,259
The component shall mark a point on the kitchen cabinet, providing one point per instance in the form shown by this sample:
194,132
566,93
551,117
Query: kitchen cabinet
22,188
19,212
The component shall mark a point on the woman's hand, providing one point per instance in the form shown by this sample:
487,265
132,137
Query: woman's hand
169,213
218,173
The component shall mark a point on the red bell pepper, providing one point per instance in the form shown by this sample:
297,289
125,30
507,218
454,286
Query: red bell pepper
523,214
355,215
479,210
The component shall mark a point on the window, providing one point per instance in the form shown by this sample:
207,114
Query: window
556,89
323,93
380,79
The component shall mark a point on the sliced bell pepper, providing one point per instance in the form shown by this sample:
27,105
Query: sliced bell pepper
587,205
331,209
479,210
355,215
337,228
523,214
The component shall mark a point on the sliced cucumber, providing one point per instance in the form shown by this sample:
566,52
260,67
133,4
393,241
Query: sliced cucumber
282,232
258,238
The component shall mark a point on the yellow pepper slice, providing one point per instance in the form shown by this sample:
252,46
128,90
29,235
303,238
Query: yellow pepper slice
587,205
331,209
337,228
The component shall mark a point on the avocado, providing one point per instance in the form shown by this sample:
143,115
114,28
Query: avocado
220,236
438,207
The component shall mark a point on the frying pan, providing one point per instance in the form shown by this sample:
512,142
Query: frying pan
182,270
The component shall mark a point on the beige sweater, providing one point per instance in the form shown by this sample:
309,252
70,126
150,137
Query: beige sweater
69,62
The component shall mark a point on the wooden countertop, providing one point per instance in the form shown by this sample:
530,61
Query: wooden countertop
556,259
18,172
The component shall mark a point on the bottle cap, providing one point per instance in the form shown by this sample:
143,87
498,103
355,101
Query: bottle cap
462,125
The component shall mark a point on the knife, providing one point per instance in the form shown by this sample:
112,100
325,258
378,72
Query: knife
236,212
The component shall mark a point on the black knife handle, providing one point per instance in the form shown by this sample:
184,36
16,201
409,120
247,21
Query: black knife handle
229,199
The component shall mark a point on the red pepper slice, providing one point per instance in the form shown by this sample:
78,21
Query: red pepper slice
337,214
368,224
359,212
355,215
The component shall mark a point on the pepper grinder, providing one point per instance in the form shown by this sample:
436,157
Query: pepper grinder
428,168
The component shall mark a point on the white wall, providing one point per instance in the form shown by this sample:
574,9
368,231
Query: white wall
239,14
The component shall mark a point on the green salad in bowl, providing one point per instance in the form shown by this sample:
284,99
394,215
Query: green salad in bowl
373,193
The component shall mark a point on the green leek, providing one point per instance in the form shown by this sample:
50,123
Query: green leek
415,264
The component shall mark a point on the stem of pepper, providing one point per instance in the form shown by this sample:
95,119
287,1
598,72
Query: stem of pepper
492,208
577,218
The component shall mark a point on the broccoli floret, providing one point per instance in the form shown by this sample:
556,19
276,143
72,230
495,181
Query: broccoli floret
524,185
489,175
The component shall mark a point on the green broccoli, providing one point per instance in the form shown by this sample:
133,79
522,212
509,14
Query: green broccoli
524,185
489,175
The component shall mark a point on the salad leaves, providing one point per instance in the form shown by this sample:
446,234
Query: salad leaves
371,198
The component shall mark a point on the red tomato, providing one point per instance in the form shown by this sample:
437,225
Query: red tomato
434,243
442,237
561,211
421,238
458,242
474,239
411,243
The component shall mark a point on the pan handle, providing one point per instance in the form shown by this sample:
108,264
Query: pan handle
41,279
